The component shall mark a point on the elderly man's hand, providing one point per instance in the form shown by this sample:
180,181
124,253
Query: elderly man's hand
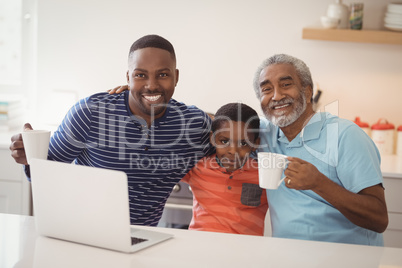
302,175
118,89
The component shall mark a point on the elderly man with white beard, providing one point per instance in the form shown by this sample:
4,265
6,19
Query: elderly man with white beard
333,187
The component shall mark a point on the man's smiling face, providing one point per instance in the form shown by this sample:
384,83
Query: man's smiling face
152,78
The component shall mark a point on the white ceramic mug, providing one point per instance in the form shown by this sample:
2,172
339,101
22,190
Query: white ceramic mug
270,169
36,143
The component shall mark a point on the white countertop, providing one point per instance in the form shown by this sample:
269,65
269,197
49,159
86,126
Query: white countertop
22,247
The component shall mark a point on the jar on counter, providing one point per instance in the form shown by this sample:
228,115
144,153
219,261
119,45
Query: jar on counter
363,125
382,134
399,141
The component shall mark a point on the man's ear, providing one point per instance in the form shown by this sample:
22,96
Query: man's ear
177,76
309,94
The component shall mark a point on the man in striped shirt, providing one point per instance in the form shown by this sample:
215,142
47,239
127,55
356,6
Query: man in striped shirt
143,131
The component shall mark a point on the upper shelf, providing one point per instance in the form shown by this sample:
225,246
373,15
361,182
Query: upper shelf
346,35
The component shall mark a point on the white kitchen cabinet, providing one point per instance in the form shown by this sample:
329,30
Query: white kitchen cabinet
393,234
10,197
15,192
391,167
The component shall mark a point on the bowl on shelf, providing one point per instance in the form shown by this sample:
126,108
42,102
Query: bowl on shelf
393,27
393,21
395,8
329,22
393,17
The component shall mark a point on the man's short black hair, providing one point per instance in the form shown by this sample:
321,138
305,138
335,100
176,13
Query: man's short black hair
153,40
237,112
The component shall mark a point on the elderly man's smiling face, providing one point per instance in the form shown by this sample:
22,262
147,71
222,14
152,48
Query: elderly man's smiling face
283,98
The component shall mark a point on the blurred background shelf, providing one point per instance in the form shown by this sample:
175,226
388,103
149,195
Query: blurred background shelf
346,35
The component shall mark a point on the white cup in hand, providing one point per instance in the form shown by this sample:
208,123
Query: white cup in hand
270,169
36,143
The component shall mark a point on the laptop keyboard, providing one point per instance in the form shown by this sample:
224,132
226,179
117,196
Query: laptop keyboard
137,240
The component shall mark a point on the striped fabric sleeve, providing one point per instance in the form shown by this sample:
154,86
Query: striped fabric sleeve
70,138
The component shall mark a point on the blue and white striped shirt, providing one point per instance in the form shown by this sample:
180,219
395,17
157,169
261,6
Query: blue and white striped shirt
101,131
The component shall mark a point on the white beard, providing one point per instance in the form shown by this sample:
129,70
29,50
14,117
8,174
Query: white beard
283,120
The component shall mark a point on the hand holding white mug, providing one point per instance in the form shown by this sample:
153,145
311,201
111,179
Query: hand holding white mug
302,175
33,146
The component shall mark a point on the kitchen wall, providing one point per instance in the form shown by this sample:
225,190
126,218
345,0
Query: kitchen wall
82,48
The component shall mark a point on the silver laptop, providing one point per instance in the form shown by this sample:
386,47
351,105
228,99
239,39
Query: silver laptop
86,205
